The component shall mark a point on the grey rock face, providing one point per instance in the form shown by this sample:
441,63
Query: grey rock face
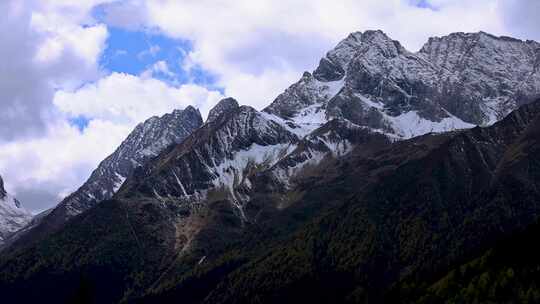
3,192
456,81
484,77
334,66
384,71
306,92
349,106
216,157
223,106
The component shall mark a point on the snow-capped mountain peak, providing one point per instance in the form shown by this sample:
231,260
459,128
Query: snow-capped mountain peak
457,81
144,143
12,215
223,106
335,64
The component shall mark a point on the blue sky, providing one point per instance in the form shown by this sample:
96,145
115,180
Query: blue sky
133,52
423,4
136,51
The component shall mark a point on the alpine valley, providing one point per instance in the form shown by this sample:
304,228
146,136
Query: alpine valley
382,176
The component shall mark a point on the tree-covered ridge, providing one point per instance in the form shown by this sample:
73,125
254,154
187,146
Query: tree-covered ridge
509,272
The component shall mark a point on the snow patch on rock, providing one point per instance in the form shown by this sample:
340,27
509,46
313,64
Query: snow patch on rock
12,216
410,124
120,179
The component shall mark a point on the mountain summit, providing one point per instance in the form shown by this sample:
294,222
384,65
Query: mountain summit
453,82
223,106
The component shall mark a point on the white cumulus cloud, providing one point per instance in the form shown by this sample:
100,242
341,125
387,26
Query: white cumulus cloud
125,98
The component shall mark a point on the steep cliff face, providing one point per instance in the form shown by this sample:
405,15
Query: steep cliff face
482,76
216,158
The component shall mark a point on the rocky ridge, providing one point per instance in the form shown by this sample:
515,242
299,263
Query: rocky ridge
145,142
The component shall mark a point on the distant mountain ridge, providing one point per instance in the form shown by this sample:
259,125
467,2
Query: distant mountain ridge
146,141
